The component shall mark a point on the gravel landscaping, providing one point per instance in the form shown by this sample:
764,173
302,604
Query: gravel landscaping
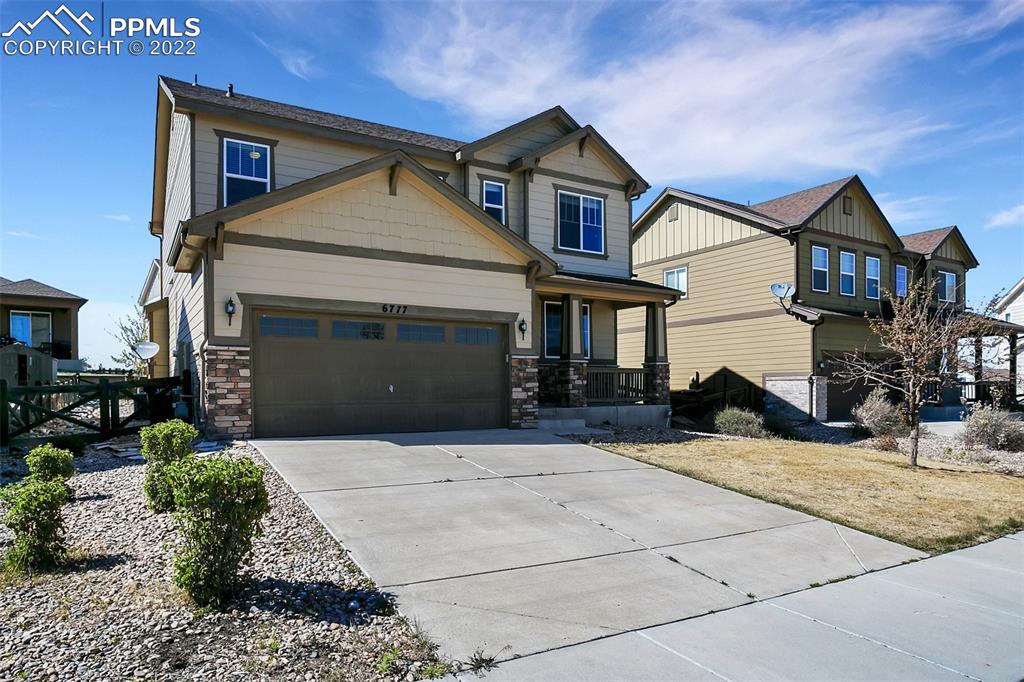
307,612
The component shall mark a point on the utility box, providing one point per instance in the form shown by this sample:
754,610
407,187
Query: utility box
24,366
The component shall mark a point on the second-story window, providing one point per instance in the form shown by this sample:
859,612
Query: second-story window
819,269
580,223
947,287
676,278
246,170
872,276
847,273
902,280
494,200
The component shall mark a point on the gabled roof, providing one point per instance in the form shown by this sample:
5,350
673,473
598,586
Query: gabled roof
31,287
928,242
185,93
556,113
151,276
1011,295
585,135
799,207
205,225
739,210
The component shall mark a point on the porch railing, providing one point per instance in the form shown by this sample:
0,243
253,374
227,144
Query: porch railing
611,385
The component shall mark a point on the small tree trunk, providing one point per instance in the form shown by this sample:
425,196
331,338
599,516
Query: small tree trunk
915,434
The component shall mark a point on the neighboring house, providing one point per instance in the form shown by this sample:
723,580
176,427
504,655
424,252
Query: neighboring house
1010,308
320,274
153,303
831,243
43,318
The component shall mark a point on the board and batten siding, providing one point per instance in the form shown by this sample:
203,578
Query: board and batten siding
864,223
696,228
296,156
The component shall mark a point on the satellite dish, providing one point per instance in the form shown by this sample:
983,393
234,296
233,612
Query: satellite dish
147,349
782,290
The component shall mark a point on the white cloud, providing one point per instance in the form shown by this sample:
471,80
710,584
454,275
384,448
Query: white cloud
118,217
20,234
1011,217
296,61
906,211
699,91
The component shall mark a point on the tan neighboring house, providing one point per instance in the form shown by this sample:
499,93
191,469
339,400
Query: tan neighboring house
43,318
831,243
321,274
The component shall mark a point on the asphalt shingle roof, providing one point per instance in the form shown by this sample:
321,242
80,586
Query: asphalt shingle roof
925,242
268,107
796,208
30,287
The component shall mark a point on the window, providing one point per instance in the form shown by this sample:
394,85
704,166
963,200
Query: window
246,170
819,269
32,329
476,336
289,326
847,273
580,223
872,276
352,329
1007,316
494,200
901,280
847,205
421,333
947,287
677,279
553,329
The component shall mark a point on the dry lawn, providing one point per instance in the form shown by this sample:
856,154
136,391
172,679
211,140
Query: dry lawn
934,509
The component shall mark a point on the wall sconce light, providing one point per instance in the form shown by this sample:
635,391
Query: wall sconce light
522,328
229,308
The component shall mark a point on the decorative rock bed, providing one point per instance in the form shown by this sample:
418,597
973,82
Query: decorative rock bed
306,612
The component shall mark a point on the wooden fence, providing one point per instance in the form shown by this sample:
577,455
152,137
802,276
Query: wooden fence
95,409
615,385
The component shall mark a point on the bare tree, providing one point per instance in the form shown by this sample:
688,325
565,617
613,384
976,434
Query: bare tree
130,330
919,342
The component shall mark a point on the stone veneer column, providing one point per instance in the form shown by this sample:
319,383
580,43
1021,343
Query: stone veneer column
572,383
657,383
525,390
228,392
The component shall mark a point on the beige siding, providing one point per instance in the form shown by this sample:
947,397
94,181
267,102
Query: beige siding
833,300
250,269
592,164
697,227
513,148
602,328
296,157
513,193
362,213
837,337
864,223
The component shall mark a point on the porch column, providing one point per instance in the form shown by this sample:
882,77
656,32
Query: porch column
572,370
1013,368
977,359
656,355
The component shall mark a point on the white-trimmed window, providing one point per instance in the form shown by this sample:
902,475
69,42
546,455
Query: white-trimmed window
553,329
902,280
246,170
847,273
872,277
31,328
494,200
677,278
819,269
947,286
580,222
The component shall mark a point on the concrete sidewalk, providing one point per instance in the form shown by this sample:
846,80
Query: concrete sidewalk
957,616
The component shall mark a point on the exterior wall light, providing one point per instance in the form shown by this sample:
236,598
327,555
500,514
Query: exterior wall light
229,308
522,328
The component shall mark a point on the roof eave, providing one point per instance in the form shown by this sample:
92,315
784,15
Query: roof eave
671,192
467,152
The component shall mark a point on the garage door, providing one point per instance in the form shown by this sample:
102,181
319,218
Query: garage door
343,374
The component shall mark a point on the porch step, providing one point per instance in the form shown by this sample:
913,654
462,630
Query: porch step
942,413
562,425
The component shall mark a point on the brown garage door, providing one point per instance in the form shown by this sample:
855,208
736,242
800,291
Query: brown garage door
339,374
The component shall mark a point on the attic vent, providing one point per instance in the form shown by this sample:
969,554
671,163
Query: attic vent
847,205
673,212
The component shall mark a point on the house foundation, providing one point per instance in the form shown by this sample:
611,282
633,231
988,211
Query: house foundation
227,389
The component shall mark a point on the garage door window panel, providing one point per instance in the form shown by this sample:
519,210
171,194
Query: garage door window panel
302,327
356,330
476,336
421,333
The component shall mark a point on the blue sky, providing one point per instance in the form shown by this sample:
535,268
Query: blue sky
744,101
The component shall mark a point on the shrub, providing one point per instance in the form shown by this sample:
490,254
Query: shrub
993,428
738,421
73,442
35,517
879,417
162,445
886,443
219,503
49,463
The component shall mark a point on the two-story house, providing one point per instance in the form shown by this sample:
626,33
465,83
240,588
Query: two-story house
41,317
321,274
832,245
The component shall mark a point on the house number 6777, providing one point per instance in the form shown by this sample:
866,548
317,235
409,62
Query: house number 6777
396,309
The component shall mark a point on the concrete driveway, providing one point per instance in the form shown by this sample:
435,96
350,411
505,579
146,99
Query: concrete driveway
519,542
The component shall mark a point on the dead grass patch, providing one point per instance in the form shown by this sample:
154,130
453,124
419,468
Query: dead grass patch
933,509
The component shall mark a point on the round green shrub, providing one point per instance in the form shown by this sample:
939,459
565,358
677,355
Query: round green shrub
219,503
739,421
34,515
162,445
49,463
